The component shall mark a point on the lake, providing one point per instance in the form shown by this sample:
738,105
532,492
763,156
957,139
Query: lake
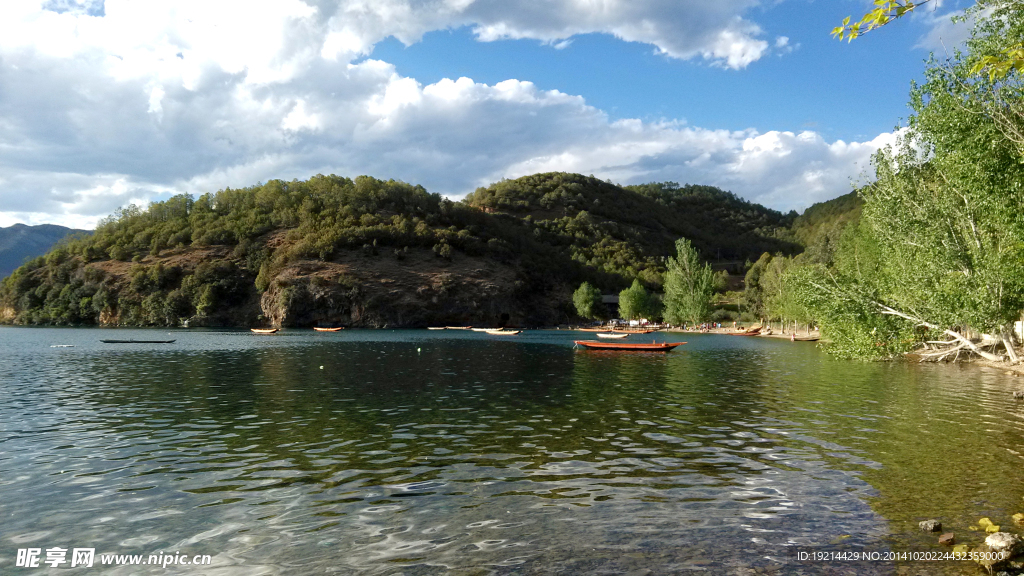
453,452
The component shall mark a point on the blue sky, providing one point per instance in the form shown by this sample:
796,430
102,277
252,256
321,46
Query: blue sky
109,102
849,91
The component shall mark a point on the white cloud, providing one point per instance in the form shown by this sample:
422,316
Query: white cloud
943,35
126,101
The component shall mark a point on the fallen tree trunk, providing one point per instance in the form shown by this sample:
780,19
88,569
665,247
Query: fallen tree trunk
886,310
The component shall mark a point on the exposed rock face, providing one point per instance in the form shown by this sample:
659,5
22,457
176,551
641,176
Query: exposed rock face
416,291
930,526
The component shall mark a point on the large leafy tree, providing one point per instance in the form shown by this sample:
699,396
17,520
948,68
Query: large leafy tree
939,254
689,286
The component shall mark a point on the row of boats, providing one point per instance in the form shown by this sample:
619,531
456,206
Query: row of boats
605,334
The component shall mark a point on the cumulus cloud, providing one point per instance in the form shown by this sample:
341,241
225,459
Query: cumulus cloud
106,103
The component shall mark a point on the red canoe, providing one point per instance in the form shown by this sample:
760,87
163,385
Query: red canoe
652,347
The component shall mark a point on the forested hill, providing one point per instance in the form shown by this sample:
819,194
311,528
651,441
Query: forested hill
19,242
367,252
820,226
651,216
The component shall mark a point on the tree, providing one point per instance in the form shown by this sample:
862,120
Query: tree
689,286
937,260
753,300
634,302
587,298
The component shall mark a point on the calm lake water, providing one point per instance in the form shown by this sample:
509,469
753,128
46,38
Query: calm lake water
416,452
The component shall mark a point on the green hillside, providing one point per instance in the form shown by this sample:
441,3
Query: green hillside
367,252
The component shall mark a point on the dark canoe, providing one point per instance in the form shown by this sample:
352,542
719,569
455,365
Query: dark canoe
137,341
652,347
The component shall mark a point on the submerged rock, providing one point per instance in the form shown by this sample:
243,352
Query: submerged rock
930,526
947,539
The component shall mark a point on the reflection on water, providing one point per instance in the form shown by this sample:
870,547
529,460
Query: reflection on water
387,452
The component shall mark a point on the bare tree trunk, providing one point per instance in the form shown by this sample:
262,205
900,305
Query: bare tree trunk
1008,343
956,335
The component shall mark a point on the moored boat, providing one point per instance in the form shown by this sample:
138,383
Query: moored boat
635,347
263,330
319,329
458,327
612,335
500,332
137,341
436,328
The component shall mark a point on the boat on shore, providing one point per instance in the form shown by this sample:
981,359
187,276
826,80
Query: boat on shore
751,332
264,330
611,335
318,329
634,347
804,338
628,331
107,341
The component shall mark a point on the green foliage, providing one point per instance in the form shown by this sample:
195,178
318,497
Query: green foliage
690,286
587,299
996,65
636,303
939,248
885,11
628,231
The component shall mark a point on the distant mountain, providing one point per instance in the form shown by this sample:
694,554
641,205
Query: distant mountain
19,243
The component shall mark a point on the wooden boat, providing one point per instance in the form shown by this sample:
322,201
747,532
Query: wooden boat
263,330
318,329
137,341
436,328
634,347
500,332
804,338
611,335
626,331
591,329
751,332
458,327
484,329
